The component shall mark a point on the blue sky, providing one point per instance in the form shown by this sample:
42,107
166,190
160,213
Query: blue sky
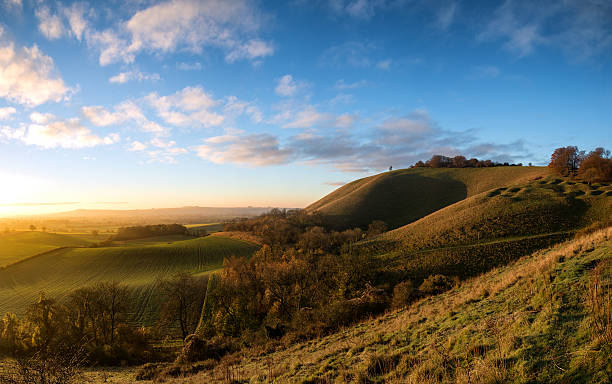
142,104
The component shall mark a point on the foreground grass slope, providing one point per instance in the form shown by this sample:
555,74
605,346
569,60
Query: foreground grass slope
533,321
15,246
59,272
403,196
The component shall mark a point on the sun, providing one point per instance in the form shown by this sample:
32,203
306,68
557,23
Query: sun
19,194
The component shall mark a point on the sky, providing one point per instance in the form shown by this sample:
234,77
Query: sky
141,104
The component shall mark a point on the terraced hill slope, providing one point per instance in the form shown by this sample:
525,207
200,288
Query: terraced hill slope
59,272
15,246
541,319
493,228
403,196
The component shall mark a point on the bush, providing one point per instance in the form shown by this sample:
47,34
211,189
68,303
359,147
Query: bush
435,284
403,294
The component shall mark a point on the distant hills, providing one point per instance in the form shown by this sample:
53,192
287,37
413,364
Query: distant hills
182,214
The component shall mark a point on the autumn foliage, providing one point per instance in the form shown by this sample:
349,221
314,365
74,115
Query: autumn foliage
570,161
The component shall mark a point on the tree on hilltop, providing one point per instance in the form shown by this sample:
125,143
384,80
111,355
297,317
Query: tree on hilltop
566,160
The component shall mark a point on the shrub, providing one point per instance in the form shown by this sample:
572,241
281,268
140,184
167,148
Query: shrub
403,294
435,284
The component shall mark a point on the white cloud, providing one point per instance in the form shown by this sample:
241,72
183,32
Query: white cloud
188,107
342,85
124,77
250,150
6,112
112,47
385,65
250,50
446,15
189,66
29,77
345,120
41,118
125,112
306,118
50,132
50,25
357,54
76,19
235,106
101,117
286,86
137,146
194,24
520,32
13,5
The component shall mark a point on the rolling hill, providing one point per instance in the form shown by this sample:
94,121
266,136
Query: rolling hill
493,227
59,272
533,320
15,246
405,195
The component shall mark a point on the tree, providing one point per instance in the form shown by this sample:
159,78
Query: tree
182,297
32,227
95,232
377,227
566,160
597,165
459,162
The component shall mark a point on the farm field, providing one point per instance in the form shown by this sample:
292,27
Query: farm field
15,246
138,265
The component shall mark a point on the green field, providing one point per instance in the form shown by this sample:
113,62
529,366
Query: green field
403,196
137,265
15,246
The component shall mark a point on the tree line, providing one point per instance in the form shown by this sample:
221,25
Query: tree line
593,166
440,161
143,231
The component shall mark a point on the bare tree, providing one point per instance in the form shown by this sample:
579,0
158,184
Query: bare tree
182,297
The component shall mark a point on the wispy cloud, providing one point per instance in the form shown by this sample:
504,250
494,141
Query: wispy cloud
38,204
581,28
249,150
124,77
396,141
343,85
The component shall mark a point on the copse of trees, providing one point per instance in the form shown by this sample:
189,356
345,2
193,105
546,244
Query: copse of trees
440,161
139,232
93,322
594,166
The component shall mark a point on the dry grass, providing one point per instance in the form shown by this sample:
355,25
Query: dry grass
429,342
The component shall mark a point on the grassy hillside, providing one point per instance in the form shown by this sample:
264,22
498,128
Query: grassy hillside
403,196
533,321
139,266
15,246
492,228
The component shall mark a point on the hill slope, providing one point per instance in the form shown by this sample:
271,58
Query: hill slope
403,196
492,228
58,273
15,246
530,321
